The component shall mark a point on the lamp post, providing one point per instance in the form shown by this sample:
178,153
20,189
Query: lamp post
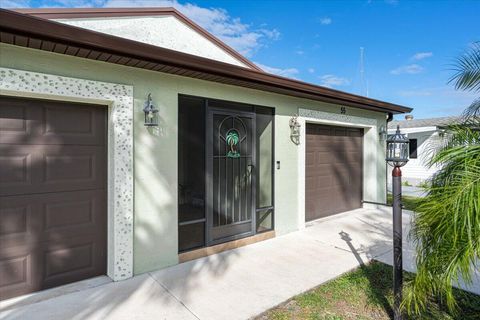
397,156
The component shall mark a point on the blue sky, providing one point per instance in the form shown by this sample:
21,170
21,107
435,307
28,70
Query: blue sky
409,46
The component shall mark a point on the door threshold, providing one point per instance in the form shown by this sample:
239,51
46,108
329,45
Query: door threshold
208,251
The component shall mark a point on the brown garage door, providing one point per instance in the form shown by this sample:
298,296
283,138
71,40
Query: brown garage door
333,170
52,194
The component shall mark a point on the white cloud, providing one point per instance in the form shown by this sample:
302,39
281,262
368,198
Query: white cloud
325,20
287,72
330,80
14,4
300,52
243,37
311,70
408,69
422,55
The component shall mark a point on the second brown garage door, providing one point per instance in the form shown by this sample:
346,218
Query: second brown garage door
333,170
53,210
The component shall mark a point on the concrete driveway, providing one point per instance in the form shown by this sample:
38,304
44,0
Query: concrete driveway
237,284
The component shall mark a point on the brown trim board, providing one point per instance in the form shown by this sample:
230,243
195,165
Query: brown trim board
28,31
71,13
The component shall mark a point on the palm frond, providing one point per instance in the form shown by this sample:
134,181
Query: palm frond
467,70
473,111
446,226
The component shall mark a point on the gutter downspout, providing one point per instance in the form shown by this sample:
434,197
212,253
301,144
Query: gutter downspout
389,119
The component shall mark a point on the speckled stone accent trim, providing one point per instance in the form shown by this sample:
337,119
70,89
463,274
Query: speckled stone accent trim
338,117
120,138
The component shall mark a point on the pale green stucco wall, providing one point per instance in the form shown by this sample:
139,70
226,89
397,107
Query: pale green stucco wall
155,152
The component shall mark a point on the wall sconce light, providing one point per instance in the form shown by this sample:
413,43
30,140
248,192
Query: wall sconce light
294,129
151,113
383,133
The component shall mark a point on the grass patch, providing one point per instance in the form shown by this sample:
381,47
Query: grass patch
365,293
409,203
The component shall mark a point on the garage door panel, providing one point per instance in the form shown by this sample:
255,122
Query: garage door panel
336,157
334,181
310,159
50,168
25,121
73,259
13,271
315,208
15,167
73,214
340,177
341,132
16,276
17,120
324,157
31,219
14,218
53,194
355,133
17,222
353,156
323,180
74,167
351,144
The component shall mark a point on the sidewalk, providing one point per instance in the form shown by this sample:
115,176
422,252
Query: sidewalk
237,284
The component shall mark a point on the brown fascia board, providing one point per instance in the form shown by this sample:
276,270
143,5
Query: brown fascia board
29,26
71,13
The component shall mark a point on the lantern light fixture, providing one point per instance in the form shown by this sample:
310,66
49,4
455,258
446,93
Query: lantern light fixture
151,113
294,129
383,133
397,149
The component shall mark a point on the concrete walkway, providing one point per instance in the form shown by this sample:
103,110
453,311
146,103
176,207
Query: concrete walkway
237,284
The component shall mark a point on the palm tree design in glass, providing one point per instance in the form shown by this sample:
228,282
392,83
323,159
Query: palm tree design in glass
232,140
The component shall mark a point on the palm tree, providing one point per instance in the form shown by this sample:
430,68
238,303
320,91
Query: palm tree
446,226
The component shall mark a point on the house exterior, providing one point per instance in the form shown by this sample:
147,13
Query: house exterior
238,155
425,135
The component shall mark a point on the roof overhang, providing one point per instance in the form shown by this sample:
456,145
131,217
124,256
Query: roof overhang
38,33
414,130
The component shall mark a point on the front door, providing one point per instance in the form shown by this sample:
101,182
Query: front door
230,181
